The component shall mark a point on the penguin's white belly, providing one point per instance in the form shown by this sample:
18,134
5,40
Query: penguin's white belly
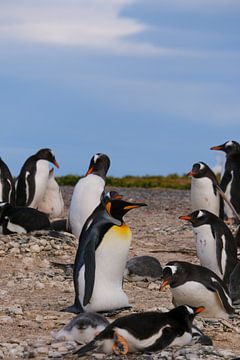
228,211
41,180
111,257
52,201
203,197
195,294
86,197
206,248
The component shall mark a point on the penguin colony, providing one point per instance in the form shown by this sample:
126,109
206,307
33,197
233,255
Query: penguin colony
96,219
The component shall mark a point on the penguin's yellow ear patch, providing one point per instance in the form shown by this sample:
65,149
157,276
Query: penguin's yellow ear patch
108,207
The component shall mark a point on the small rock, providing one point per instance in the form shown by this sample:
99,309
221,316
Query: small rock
35,248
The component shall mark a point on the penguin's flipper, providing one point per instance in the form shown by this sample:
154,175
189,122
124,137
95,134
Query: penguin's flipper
90,265
167,337
223,296
219,249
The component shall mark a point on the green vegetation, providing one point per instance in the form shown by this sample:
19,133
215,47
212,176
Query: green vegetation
172,181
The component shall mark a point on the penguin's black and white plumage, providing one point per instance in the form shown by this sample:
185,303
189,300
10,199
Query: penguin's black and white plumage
7,187
101,258
33,178
142,268
87,193
22,219
204,194
145,332
52,201
82,328
216,246
194,285
230,180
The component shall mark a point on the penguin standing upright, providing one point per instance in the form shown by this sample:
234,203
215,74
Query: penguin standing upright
7,187
52,201
145,332
194,285
230,180
101,258
216,246
204,194
87,193
33,178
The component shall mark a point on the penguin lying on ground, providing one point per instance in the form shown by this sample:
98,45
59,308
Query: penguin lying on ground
145,332
216,247
21,219
194,285
101,258
7,187
82,328
140,268
230,180
33,178
87,193
204,194
52,201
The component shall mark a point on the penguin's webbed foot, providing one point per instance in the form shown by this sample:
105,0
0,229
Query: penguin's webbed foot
120,346
73,309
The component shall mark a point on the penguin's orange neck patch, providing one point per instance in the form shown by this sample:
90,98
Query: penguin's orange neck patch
122,232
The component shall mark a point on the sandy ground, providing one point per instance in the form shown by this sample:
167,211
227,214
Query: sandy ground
40,290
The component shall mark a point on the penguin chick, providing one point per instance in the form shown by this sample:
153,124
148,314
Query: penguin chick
145,332
87,193
33,178
141,268
82,328
230,180
216,247
101,258
21,219
204,194
52,201
7,187
194,285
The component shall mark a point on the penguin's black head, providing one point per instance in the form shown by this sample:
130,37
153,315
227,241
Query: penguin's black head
117,207
174,274
229,147
99,165
47,154
3,207
200,170
199,217
185,313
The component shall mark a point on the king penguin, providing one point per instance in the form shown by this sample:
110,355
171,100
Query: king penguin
145,332
101,258
194,285
204,194
230,180
215,243
7,187
87,193
33,178
52,201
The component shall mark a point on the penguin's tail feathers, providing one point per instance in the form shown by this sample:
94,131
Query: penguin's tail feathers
94,344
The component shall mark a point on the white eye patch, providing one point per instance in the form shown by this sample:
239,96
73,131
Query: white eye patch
229,143
172,267
202,166
96,157
200,214
190,310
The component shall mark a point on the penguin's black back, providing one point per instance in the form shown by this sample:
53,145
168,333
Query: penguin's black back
8,188
21,191
232,172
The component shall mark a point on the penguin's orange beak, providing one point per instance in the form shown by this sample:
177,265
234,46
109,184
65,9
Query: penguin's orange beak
90,170
185,217
56,164
164,284
190,173
199,309
216,148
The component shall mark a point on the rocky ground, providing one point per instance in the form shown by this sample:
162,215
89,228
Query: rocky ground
33,291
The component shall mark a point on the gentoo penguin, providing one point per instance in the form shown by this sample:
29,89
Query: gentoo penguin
230,180
141,268
7,187
101,258
21,219
216,246
87,193
52,201
194,285
33,178
145,332
204,194
82,328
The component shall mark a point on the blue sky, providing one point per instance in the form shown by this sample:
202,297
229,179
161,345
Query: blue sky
153,84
